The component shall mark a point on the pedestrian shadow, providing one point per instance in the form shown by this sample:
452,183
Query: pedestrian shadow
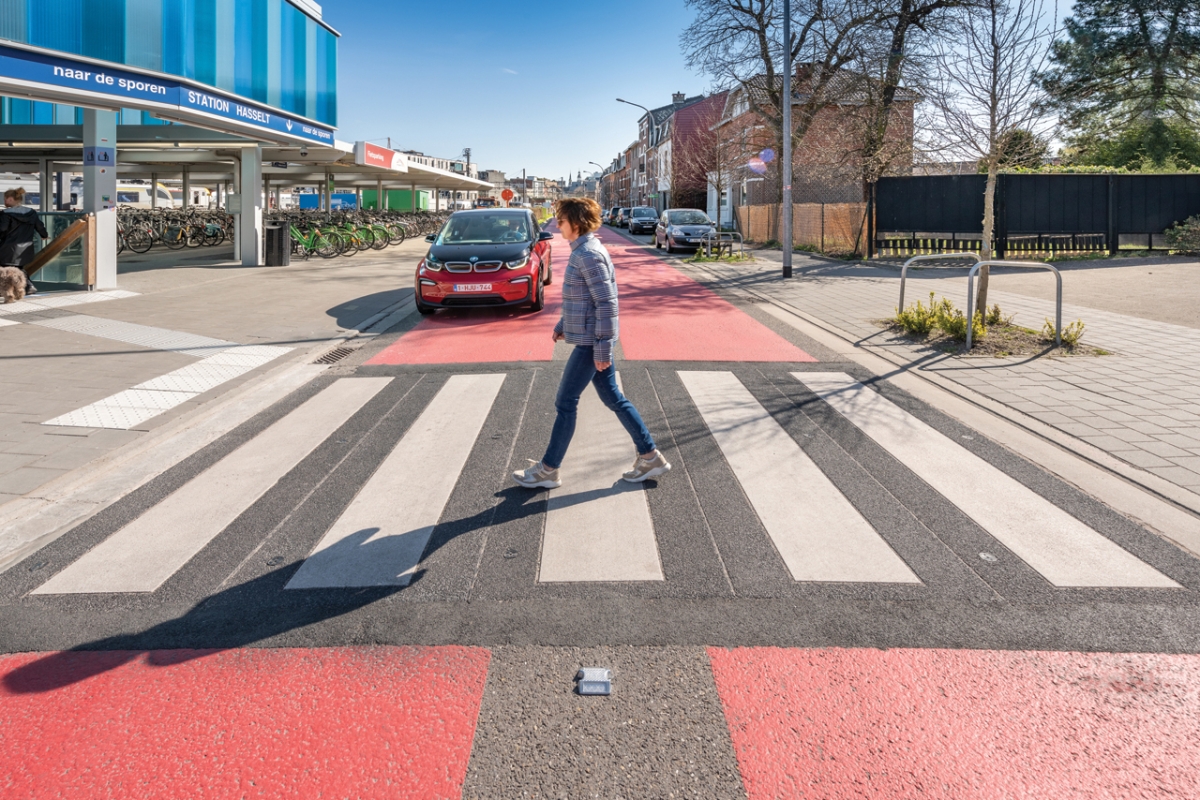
250,612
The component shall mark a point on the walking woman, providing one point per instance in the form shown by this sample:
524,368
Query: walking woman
589,321
18,224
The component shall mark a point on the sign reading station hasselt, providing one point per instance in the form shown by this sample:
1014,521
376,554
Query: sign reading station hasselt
31,70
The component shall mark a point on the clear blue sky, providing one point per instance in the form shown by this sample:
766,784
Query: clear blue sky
522,84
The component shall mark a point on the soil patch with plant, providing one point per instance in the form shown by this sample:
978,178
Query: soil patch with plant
942,327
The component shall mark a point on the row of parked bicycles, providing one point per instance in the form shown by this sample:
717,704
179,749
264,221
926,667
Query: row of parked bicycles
345,233
139,229
320,233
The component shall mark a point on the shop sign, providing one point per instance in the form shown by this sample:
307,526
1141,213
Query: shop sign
62,79
372,155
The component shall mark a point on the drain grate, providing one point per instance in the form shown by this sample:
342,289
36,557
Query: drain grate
335,355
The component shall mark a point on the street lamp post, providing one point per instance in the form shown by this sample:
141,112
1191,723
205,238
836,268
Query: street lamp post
600,181
649,122
787,139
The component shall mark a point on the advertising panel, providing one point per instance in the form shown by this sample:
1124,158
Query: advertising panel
372,155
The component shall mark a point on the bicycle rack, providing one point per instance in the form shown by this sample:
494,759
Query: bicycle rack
723,236
971,286
904,269
1019,265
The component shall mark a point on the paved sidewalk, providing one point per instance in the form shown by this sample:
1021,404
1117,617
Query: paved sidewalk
184,330
1140,404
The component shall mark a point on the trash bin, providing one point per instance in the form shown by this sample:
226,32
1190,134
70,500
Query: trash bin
278,245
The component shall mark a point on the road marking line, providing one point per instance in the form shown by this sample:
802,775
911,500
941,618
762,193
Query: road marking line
818,533
1064,550
380,537
598,526
147,551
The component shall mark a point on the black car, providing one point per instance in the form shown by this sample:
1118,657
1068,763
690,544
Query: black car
642,219
623,218
682,228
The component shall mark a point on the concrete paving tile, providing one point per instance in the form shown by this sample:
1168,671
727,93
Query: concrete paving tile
26,479
1140,458
1191,462
1160,448
1180,440
39,445
14,461
1109,443
70,458
1178,475
1147,427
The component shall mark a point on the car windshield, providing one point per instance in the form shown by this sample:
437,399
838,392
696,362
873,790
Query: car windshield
688,217
498,228
649,213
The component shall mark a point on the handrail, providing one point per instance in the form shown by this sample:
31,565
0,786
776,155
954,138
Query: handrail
1019,264
904,269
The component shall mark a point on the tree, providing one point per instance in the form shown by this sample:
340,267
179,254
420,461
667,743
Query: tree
1022,148
985,93
1127,66
739,43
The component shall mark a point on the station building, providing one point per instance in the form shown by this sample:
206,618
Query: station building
239,94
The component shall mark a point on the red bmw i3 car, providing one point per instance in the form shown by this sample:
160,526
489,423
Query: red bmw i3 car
485,257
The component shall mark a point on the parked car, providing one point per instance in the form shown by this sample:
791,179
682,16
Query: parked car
623,218
610,216
682,228
642,219
485,257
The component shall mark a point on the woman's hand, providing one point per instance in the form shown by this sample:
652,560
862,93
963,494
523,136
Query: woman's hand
557,336
602,365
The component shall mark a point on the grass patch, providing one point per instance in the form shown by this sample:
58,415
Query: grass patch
730,258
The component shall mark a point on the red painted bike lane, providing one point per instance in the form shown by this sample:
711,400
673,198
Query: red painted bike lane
387,722
961,723
665,316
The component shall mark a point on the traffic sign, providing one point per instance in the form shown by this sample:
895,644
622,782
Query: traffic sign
507,195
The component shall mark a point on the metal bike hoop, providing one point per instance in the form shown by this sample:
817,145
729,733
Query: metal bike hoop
710,239
935,257
1019,265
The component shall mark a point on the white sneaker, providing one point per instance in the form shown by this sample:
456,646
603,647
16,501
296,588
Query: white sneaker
538,476
646,468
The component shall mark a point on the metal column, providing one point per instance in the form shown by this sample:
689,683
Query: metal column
249,221
44,187
187,188
100,189
379,198
154,190
413,196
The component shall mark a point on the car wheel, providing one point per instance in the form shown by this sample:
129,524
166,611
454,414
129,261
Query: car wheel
421,307
657,243
670,247
539,301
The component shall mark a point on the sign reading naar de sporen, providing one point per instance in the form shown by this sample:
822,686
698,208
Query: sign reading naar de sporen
32,70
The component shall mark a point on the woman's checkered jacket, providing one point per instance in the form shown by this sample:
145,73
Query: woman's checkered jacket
589,309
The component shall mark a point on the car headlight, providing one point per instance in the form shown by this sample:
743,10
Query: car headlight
675,231
432,263
520,262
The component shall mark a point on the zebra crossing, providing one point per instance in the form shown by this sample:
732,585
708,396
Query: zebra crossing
597,530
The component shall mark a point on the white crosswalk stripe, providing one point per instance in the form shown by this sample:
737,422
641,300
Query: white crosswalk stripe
147,551
598,526
1064,550
819,535
597,529
379,538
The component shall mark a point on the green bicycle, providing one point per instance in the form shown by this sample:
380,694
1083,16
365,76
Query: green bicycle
325,244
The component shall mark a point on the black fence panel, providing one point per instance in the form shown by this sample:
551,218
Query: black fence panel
941,203
1034,213
1150,204
1054,204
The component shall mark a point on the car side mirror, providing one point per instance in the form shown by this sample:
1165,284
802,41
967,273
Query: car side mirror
431,237
545,236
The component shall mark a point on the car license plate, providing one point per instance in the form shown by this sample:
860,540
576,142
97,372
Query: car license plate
472,287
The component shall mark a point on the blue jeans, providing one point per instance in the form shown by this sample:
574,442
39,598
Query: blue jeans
581,369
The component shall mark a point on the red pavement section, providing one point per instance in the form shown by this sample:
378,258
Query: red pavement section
961,724
485,335
667,316
394,722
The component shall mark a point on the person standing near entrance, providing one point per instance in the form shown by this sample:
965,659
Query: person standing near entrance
589,321
18,225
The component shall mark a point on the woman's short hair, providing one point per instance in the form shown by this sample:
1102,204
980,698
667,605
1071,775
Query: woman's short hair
15,194
582,212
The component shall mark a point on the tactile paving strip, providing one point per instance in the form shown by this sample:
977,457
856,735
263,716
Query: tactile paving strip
40,303
142,335
134,406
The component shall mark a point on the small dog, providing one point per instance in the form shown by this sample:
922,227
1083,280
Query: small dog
12,283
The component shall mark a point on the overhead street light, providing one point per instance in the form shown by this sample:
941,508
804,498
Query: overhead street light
649,122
